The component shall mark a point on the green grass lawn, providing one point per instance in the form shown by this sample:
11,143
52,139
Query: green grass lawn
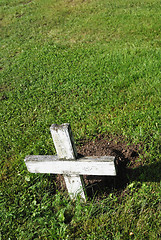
95,64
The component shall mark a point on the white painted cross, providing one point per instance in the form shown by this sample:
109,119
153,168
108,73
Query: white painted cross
67,162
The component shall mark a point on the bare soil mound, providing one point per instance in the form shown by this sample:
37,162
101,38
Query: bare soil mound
127,156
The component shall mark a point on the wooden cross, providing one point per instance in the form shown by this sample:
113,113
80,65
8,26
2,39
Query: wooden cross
66,162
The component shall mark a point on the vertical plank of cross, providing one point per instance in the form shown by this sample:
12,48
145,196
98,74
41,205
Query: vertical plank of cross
65,148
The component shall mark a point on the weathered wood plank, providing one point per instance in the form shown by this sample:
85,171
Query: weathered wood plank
63,141
65,148
75,186
103,165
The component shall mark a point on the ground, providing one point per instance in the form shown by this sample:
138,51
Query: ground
127,159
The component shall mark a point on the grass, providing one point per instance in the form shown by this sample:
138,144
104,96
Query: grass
96,65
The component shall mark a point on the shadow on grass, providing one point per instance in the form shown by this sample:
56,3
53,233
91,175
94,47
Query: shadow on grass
147,173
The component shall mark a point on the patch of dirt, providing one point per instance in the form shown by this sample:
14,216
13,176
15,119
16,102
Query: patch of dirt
126,159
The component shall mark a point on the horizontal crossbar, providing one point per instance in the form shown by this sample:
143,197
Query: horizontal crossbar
104,166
